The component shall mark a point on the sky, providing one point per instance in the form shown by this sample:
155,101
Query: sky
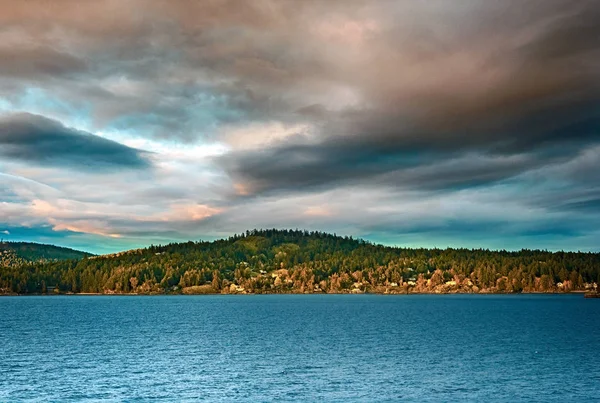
415,123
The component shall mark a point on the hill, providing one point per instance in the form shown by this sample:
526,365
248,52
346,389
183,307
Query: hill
18,253
288,261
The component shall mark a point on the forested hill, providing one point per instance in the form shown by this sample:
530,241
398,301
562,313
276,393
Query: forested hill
285,261
17,253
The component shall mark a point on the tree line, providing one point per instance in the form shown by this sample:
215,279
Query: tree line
295,261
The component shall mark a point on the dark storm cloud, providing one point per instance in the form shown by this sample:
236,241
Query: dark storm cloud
36,139
538,93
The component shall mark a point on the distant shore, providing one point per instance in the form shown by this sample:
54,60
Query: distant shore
272,261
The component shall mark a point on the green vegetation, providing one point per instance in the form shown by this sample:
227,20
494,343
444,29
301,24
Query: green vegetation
285,261
14,253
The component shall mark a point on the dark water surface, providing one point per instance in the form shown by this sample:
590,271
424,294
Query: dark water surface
300,347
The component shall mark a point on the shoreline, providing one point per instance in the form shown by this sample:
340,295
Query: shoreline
577,292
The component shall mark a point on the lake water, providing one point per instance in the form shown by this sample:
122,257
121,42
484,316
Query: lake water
300,347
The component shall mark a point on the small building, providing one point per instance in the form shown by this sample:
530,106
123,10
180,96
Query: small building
235,288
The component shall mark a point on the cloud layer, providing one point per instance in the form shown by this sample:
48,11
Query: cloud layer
430,123
42,141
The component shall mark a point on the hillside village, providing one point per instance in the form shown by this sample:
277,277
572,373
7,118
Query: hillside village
288,261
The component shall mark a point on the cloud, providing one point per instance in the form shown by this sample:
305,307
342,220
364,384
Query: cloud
407,122
511,92
36,139
83,226
185,212
308,167
38,62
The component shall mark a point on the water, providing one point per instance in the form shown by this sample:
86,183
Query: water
300,347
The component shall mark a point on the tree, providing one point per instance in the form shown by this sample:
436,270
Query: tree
216,280
302,260
546,283
575,279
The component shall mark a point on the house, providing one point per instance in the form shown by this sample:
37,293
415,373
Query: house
235,288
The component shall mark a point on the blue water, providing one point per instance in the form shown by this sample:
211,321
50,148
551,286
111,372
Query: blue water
300,347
